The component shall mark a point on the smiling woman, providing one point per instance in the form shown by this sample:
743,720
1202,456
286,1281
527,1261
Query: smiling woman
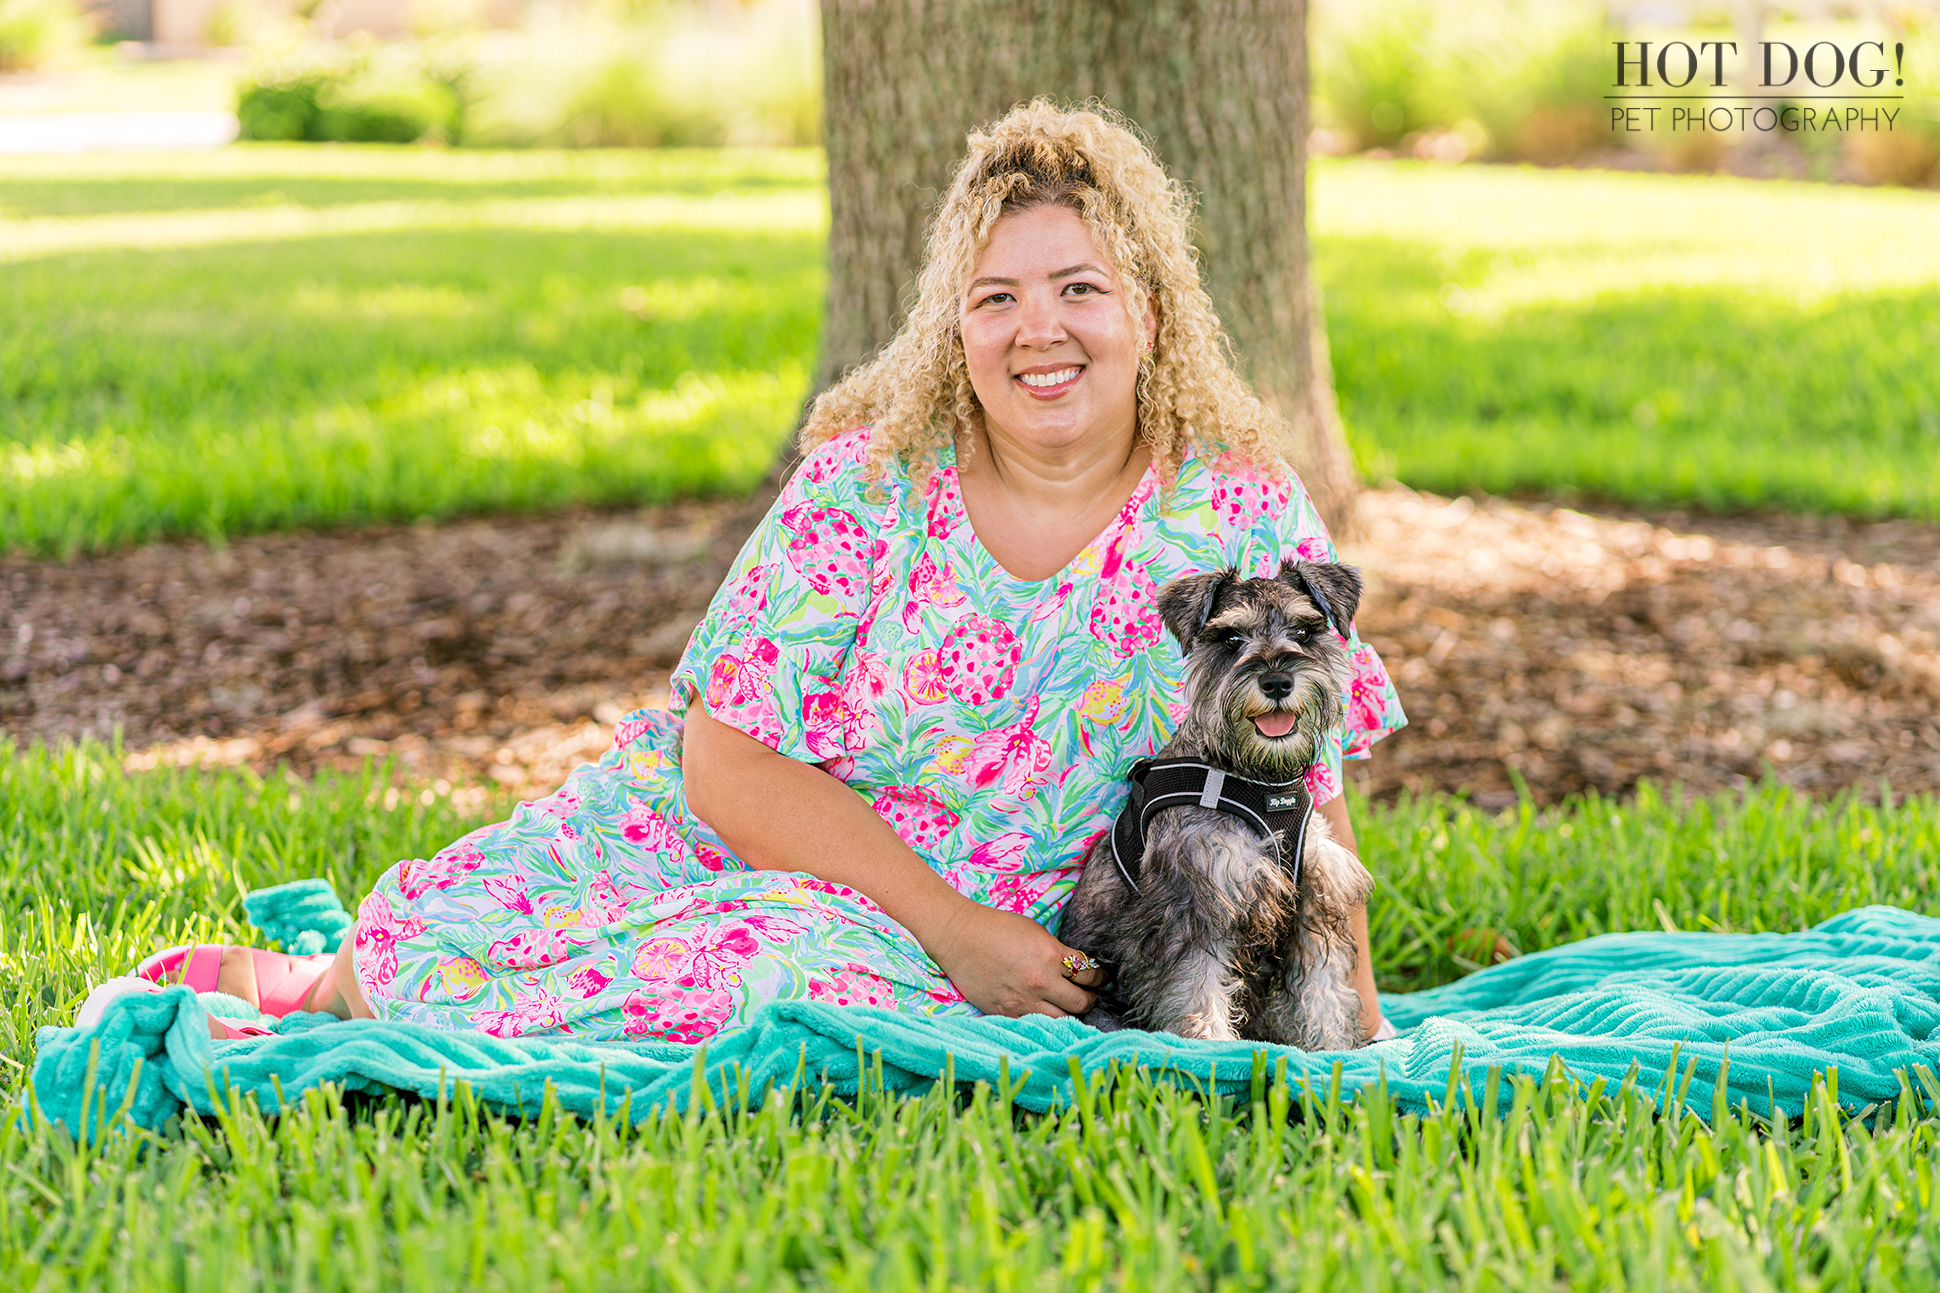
1054,343
913,704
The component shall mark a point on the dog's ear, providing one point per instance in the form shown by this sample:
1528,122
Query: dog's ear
1186,604
1334,588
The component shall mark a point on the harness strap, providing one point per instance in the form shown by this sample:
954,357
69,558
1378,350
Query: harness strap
1276,811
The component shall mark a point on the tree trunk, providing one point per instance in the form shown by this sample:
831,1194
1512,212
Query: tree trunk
1218,86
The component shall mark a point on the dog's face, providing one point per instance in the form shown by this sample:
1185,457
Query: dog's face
1266,667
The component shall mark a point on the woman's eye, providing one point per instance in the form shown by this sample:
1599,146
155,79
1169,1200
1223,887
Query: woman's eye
995,298
1086,288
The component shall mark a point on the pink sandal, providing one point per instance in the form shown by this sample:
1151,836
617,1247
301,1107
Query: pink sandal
96,1005
284,984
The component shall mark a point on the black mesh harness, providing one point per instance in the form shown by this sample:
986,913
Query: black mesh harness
1278,812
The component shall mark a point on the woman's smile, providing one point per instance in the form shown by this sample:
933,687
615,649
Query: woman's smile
1053,338
1049,381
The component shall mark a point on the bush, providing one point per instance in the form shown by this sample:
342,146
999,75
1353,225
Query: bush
1910,153
331,94
628,105
1376,72
1531,73
747,75
1525,76
34,33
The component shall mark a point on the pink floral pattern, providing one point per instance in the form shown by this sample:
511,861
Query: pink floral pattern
989,720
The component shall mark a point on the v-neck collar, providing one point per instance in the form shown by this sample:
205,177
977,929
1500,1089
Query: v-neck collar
1134,503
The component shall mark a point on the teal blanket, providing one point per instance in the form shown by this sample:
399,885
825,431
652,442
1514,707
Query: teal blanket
1860,994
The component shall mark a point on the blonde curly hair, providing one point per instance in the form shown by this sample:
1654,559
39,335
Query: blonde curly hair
916,395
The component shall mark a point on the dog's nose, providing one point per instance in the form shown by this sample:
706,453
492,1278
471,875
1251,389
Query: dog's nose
1277,686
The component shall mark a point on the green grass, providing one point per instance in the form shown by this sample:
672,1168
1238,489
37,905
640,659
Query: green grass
1144,1187
1648,338
268,338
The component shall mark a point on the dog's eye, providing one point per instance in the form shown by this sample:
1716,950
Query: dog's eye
1303,634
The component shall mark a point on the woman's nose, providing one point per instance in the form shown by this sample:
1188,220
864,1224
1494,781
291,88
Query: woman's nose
1038,324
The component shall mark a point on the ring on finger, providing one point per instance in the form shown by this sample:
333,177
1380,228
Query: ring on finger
1079,962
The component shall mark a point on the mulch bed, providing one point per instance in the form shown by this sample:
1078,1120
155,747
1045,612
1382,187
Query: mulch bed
1588,652
1575,651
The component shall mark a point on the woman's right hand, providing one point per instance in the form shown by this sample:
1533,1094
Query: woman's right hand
1006,964
782,814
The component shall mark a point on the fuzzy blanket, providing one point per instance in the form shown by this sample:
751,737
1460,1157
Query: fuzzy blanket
1761,1013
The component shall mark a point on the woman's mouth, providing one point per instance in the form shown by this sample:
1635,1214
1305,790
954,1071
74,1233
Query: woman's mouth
1273,726
1051,383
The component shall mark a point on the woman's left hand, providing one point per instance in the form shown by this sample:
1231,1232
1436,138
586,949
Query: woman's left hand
1006,964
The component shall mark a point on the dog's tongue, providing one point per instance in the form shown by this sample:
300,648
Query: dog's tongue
1274,724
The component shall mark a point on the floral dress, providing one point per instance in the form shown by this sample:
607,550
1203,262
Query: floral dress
990,720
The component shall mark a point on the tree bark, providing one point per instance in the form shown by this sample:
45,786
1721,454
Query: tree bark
1218,86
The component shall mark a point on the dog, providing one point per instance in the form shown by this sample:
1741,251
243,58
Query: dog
1210,932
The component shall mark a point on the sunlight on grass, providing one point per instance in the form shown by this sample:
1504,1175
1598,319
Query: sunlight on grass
1648,338
534,335
261,336
1517,236
805,212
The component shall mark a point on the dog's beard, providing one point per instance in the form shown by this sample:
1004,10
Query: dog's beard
1238,742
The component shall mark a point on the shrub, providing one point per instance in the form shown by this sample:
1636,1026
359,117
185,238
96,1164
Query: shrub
743,74
1376,75
1910,152
1526,75
628,104
34,33
328,93
1531,72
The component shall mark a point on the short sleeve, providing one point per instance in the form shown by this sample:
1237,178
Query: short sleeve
783,622
1285,523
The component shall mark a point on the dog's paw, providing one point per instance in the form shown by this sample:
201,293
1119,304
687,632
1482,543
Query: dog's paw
1332,879
1105,1021
1203,1028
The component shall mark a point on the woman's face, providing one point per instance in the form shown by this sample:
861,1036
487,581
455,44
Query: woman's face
1053,353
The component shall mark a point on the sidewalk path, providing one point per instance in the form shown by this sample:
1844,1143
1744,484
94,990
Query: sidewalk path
115,132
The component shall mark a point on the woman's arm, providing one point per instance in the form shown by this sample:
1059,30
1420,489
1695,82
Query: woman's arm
1335,811
781,814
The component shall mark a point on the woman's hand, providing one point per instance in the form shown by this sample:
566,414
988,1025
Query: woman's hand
779,813
1006,964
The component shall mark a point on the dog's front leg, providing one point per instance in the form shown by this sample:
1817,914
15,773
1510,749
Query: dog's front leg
1192,993
1316,1006
1320,997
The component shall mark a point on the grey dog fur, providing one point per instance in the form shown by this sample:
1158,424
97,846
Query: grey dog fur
1216,942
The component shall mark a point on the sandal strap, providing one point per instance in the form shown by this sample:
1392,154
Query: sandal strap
233,1031
202,967
196,967
284,983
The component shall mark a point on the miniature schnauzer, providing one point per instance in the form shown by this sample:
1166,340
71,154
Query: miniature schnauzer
1220,901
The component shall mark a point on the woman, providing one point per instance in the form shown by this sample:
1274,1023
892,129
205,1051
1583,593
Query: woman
913,703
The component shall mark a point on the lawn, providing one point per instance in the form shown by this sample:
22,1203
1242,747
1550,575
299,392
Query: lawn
1145,1187
1647,338
267,337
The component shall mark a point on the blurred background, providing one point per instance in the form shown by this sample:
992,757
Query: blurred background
1443,80
378,378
